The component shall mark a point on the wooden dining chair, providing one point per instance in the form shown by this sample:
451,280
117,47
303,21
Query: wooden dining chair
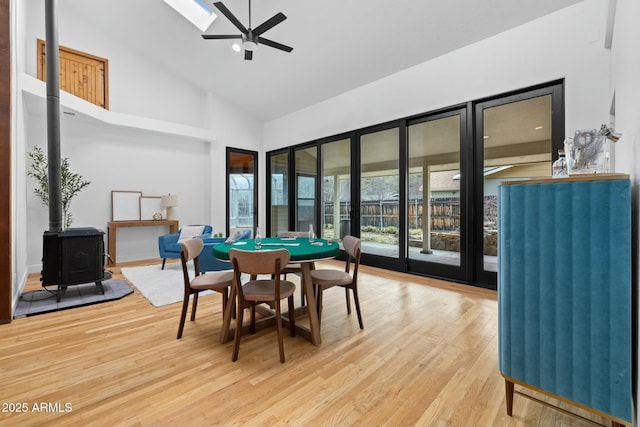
292,267
219,281
257,291
327,278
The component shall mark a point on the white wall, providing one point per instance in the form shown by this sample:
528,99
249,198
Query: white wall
233,129
19,227
136,86
121,158
117,159
625,83
567,44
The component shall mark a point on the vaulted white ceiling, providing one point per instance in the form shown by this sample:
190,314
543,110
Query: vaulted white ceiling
338,44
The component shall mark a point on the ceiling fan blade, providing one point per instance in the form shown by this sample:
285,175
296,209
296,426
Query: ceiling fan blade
276,45
269,24
248,55
221,36
230,16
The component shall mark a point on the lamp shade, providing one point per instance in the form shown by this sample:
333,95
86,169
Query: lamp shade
169,201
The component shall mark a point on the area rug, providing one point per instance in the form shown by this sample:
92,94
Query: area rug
160,287
42,301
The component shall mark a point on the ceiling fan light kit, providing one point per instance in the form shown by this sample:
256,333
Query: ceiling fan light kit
249,44
250,37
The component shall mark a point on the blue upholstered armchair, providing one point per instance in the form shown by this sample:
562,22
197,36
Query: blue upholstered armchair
206,259
168,245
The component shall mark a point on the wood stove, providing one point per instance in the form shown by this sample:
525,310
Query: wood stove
73,257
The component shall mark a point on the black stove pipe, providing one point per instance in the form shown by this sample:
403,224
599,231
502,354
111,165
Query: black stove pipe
53,116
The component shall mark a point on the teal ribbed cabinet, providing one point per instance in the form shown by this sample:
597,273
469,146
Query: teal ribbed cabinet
564,290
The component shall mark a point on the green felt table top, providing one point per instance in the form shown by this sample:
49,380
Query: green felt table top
300,249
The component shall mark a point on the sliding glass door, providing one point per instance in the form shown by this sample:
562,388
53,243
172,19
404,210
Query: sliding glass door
516,138
278,188
436,210
421,192
306,174
242,195
336,189
379,198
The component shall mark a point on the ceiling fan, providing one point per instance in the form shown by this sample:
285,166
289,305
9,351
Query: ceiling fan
250,37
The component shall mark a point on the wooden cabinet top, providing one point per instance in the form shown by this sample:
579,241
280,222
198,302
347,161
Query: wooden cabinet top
144,223
570,178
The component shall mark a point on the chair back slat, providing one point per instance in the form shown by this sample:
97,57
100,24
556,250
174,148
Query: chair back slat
259,262
352,248
191,248
351,245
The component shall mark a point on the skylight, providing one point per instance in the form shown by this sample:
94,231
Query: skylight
195,11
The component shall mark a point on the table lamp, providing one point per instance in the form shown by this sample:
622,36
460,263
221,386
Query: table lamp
169,201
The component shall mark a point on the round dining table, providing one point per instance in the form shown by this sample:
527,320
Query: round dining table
302,251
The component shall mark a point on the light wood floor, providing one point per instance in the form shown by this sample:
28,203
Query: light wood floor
428,356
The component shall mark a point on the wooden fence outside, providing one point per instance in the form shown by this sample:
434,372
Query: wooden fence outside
445,213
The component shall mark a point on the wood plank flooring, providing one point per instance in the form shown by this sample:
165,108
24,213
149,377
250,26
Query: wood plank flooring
428,356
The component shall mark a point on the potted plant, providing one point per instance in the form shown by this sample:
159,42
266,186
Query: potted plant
72,183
